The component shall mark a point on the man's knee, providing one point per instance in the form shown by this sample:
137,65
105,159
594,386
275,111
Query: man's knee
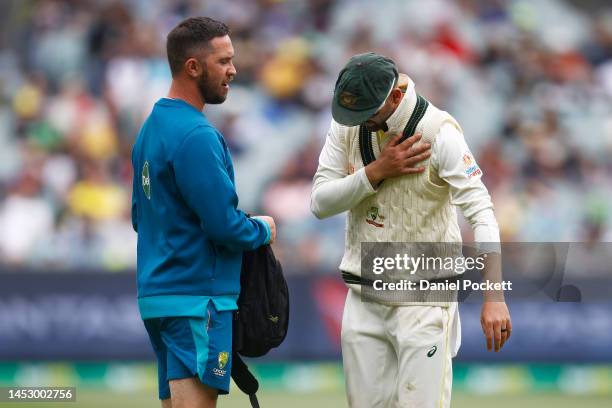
191,393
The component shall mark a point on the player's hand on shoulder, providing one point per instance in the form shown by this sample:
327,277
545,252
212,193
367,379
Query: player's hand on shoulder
271,224
399,158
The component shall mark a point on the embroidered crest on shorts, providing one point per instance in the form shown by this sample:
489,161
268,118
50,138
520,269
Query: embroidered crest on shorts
223,359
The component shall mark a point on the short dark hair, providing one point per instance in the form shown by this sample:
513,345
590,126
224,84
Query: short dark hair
188,35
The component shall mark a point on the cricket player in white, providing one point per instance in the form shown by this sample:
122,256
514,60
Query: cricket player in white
399,355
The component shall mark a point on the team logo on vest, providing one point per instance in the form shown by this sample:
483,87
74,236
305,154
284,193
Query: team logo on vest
374,218
222,362
146,180
432,351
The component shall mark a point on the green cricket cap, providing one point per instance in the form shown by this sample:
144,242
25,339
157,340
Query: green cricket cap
362,87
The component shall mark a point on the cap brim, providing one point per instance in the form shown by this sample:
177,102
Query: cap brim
349,117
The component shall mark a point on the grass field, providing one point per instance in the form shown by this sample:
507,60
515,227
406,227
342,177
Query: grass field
278,399
318,385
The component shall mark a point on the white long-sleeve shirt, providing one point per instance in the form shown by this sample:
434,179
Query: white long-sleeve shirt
337,189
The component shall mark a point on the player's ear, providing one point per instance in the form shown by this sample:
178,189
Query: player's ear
396,95
193,68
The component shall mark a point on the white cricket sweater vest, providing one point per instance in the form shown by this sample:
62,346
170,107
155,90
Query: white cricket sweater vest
410,208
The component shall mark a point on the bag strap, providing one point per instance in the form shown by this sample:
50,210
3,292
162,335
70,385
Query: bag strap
253,400
365,136
244,379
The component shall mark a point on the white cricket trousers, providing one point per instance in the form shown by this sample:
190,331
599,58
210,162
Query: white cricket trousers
396,356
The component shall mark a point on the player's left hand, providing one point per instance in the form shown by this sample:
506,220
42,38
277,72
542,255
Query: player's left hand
496,324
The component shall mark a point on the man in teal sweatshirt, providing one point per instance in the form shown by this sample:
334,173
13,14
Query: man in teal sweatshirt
190,233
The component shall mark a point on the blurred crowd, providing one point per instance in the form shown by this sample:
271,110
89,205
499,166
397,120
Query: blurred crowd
529,81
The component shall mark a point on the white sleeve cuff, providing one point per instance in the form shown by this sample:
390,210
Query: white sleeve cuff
365,181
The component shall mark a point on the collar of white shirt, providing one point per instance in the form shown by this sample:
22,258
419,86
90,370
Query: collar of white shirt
398,119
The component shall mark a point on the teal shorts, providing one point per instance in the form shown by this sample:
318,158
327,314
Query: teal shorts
193,347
